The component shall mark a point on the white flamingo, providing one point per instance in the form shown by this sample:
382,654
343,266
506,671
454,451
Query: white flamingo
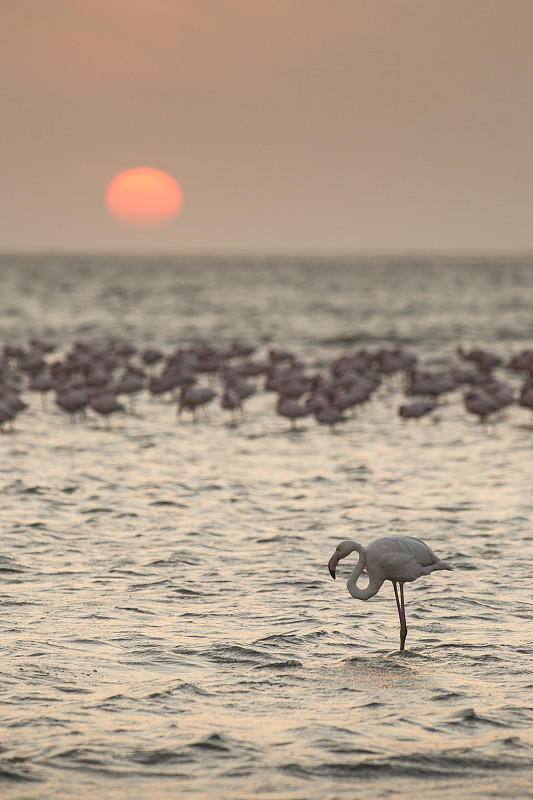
399,559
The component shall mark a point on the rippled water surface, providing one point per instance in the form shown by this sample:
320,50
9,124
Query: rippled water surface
169,626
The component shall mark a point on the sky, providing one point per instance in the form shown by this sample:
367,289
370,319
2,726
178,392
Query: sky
292,126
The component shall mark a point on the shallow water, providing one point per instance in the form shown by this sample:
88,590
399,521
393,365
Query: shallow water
168,621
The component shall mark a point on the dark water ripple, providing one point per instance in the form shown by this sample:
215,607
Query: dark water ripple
168,622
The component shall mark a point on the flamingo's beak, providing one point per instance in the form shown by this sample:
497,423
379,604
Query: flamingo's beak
332,566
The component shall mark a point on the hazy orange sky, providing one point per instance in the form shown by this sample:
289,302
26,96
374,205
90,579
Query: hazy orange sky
312,126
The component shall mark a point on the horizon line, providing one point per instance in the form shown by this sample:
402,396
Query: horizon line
198,254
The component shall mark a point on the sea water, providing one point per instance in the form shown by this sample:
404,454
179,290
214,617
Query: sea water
169,627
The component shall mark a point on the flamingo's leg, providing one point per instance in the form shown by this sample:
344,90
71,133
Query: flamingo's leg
404,629
400,604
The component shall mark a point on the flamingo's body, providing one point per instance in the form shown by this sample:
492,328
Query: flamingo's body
105,404
416,409
292,409
193,397
399,559
480,403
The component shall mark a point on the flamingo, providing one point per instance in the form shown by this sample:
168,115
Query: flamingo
131,383
292,409
329,415
105,404
416,409
230,401
71,399
399,559
7,414
151,356
192,397
480,403
526,396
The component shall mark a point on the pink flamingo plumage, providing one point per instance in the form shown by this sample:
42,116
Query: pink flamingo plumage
399,559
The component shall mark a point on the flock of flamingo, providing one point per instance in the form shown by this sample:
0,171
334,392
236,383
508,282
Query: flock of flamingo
107,380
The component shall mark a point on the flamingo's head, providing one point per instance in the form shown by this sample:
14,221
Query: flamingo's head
342,550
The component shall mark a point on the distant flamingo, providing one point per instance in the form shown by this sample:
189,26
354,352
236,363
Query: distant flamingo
523,362
480,403
292,409
416,409
276,354
526,397
399,559
42,383
329,415
7,414
193,397
151,356
33,362
131,383
124,349
485,361
105,404
72,399
230,401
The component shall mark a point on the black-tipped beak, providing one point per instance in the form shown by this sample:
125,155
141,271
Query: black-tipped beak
332,566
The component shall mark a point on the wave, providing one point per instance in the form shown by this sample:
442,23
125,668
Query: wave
445,764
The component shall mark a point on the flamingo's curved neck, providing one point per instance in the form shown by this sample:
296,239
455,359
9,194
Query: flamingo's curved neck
374,582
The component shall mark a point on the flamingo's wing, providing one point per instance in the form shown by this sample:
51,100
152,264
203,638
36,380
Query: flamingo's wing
399,558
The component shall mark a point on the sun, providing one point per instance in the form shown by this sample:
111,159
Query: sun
144,197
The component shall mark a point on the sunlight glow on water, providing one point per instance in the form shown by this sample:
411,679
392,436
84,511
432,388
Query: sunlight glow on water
168,621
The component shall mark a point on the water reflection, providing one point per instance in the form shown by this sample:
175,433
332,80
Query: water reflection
167,611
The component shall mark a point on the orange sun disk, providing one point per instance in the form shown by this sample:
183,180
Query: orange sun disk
144,197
